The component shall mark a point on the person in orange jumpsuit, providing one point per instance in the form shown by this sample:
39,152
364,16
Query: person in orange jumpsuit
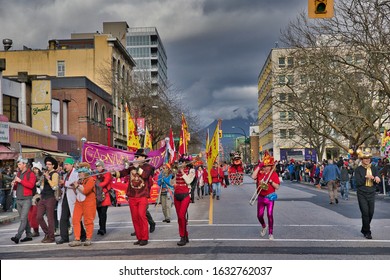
85,206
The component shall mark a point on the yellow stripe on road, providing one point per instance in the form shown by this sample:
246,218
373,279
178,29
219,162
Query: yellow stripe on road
211,210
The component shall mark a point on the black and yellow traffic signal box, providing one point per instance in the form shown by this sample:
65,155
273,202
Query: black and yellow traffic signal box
321,8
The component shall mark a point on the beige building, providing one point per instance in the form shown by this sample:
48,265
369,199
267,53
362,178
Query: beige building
97,57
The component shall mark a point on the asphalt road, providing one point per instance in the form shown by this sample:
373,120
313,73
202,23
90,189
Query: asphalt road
306,227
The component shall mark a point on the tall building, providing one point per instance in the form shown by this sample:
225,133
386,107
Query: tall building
145,46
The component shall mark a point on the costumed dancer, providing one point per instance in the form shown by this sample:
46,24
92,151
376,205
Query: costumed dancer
366,175
236,170
184,177
138,193
66,204
165,182
267,182
104,181
85,206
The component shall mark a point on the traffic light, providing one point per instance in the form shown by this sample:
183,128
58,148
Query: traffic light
321,8
220,133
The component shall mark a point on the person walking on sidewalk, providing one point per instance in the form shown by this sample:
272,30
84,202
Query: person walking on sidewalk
366,175
23,184
330,175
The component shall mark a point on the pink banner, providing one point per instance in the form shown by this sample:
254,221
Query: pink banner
113,158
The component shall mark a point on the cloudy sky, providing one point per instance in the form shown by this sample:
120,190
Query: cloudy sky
215,48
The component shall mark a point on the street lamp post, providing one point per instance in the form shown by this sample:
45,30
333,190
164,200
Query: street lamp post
83,140
245,159
108,124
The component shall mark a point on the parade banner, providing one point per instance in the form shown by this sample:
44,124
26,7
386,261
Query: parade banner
114,159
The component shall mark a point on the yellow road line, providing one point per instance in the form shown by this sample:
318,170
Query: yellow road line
211,210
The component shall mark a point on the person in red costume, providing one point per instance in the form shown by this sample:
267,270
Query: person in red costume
104,181
236,170
267,183
184,176
138,193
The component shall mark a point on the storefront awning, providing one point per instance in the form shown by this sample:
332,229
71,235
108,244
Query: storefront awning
6,153
37,153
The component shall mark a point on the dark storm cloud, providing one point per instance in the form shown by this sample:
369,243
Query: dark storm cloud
215,48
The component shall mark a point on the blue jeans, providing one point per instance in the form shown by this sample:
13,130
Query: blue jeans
217,188
206,189
344,189
353,183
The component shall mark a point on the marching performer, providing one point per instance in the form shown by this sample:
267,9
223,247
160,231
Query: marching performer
104,180
164,181
138,192
184,177
267,182
236,170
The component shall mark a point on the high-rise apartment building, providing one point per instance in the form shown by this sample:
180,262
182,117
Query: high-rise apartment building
145,46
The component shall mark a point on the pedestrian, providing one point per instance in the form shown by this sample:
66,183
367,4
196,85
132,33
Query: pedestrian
225,168
165,182
85,206
217,179
23,184
366,176
48,202
331,175
138,192
344,180
267,182
104,180
200,174
182,199
66,204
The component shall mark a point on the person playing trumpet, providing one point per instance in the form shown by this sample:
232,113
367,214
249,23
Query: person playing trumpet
267,182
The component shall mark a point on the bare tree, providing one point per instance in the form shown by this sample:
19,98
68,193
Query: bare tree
343,78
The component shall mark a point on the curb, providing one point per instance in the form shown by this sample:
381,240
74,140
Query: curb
7,217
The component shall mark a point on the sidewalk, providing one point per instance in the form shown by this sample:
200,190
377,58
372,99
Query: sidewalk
6,217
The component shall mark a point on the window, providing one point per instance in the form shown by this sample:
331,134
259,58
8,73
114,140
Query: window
290,116
89,108
283,134
283,116
60,68
10,108
281,79
290,62
290,79
291,133
282,62
55,115
283,96
96,113
303,79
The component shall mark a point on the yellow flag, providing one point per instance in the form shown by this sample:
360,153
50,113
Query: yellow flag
148,140
132,134
213,150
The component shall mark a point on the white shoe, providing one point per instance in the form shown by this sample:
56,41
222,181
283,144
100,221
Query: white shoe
70,230
271,237
263,231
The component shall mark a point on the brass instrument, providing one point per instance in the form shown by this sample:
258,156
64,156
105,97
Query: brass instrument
263,185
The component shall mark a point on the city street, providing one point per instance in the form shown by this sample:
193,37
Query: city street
306,227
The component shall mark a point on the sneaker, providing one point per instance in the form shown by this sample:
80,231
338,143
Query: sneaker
263,231
75,243
70,230
14,210
271,237
57,232
87,242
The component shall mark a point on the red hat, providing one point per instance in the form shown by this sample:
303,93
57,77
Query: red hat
268,160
